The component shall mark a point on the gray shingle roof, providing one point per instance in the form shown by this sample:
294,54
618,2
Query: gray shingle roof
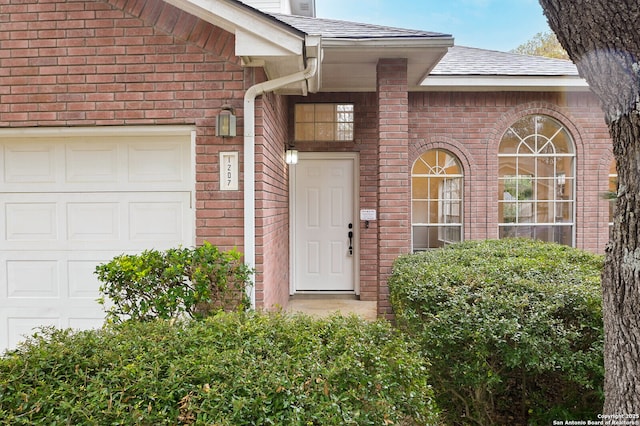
459,61
469,61
331,28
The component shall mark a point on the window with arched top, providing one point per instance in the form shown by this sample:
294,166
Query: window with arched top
536,181
436,200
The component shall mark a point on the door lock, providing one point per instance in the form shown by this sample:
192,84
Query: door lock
350,234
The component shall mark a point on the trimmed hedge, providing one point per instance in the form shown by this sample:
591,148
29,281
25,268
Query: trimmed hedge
512,329
198,281
230,369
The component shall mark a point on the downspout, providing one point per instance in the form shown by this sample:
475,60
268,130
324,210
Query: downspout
249,156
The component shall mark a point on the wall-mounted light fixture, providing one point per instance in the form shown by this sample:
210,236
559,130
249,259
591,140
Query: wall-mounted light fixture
226,122
291,155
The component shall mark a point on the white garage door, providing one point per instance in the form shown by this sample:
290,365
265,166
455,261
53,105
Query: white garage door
71,199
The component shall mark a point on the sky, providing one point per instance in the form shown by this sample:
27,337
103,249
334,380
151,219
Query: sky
488,24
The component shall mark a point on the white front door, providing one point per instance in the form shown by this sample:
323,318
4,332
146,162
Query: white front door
323,228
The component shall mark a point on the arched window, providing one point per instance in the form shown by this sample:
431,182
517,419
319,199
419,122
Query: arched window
436,200
536,181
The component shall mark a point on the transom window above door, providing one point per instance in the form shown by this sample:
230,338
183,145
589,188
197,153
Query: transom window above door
324,122
536,181
436,200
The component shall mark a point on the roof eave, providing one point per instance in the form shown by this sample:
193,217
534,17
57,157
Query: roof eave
260,39
444,41
551,83
349,64
248,24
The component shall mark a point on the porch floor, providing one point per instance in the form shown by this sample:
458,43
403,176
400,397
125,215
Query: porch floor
326,304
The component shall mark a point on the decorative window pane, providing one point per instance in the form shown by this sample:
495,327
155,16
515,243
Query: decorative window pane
536,181
305,131
436,199
324,122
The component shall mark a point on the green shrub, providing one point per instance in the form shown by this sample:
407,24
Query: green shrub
512,329
230,369
165,284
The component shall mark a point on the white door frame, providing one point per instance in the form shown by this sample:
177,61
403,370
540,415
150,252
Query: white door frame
356,202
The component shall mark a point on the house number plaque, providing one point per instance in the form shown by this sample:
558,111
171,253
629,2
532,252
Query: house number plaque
367,214
229,171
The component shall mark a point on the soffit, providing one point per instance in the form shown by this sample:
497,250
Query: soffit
351,65
351,51
260,40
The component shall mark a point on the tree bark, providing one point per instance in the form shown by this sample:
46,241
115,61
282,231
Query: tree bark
621,277
602,37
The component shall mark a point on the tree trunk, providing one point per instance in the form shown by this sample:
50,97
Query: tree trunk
602,37
621,277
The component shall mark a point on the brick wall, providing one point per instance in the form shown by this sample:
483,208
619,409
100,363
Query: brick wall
394,212
470,125
272,202
128,62
99,63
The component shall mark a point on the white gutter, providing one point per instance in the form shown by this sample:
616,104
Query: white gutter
249,157
503,82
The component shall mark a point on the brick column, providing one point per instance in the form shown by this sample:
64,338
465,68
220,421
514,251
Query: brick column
394,213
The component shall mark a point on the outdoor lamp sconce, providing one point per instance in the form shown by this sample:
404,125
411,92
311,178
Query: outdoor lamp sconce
226,122
291,156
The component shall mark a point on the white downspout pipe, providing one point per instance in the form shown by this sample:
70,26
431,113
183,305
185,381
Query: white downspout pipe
249,157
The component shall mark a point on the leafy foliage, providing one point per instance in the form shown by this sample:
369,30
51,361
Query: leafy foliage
543,44
230,369
165,284
512,328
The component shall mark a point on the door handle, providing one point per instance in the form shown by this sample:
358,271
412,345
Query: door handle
350,234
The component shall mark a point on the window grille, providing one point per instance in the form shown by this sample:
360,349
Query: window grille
436,200
324,122
536,181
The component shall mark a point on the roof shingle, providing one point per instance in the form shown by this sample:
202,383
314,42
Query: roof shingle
459,61
462,61
331,28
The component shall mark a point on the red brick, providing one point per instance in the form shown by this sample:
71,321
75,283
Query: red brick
148,76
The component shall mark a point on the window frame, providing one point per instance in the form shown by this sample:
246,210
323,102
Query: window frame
537,148
340,121
449,199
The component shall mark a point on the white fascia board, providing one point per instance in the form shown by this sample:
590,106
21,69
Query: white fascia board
255,35
394,43
475,82
253,45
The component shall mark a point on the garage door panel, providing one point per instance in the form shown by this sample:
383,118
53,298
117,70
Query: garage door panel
151,221
71,199
33,279
96,163
79,221
83,283
22,324
33,163
79,322
156,163
24,321
31,221
51,274
97,221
